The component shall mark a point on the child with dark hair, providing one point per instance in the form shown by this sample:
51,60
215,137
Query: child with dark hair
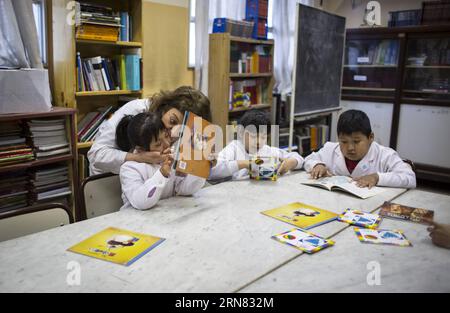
143,185
234,160
359,156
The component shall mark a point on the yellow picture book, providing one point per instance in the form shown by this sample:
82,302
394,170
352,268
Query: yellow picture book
301,215
117,246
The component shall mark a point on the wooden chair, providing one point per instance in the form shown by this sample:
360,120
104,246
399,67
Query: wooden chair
101,194
33,219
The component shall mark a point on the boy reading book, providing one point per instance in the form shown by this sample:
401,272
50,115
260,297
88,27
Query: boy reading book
359,156
234,160
143,185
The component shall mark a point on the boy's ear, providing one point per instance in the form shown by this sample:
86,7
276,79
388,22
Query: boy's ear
371,137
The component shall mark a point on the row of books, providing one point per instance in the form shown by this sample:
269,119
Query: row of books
14,147
430,52
14,191
49,183
30,140
257,61
436,12
89,125
405,18
100,22
426,81
385,52
247,92
312,137
122,72
49,137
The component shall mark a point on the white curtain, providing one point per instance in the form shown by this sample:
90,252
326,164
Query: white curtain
283,30
284,15
19,46
206,11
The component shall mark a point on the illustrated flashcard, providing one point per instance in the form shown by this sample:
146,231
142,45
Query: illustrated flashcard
264,168
360,218
381,236
303,240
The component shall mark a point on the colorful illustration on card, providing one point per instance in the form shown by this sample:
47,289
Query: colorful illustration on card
360,218
382,236
301,215
303,240
117,246
264,168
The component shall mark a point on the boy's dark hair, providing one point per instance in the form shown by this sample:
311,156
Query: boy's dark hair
184,99
138,131
353,121
256,118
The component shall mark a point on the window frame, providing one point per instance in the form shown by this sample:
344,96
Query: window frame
191,38
41,27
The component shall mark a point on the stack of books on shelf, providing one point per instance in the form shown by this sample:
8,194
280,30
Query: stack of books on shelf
89,125
436,13
257,61
233,27
405,18
257,12
49,183
312,137
49,137
14,191
100,22
378,53
122,72
13,145
245,93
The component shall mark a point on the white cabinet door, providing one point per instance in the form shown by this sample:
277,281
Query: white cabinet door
424,134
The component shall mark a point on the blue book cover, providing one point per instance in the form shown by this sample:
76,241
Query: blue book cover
132,63
123,28
108,74
80,76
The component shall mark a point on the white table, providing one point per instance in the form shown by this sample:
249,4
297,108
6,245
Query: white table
343,268
217,241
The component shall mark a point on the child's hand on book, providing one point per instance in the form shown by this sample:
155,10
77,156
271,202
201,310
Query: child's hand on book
440,235
319,171
166,167
287,165
367,181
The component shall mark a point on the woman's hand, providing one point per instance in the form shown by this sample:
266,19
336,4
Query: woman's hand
148,157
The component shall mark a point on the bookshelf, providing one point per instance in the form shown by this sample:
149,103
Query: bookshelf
224,71
409,101
88,98
29,168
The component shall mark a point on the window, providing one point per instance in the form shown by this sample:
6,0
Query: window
270,21
39,17
191,34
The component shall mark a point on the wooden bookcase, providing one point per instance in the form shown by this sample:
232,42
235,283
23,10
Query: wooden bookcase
220,77
410,100
64,52
69,158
